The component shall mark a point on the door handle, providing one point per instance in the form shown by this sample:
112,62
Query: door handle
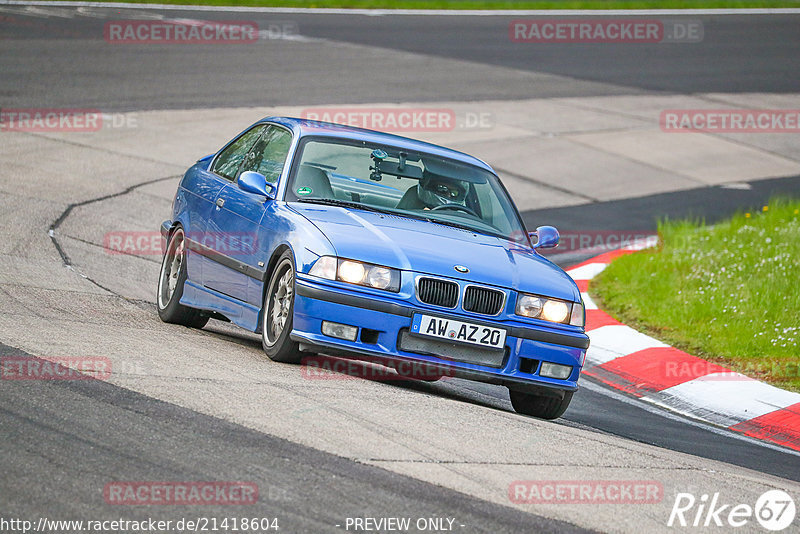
220,202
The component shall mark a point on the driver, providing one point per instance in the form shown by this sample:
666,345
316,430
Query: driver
436,191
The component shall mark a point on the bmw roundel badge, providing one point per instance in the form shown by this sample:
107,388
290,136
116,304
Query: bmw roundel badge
461,268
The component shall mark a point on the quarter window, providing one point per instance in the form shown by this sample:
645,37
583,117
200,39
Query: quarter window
230,159
269,153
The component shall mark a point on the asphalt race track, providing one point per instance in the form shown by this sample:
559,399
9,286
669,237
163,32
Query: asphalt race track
190,405
744,53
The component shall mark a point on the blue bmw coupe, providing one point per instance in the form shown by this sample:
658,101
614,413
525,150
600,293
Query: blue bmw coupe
330,239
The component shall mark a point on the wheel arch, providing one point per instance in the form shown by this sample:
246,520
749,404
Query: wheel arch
271,265
175,225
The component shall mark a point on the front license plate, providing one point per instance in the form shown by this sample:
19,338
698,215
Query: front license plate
474,334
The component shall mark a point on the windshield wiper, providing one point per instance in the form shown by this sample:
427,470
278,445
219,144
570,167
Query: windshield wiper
454,225
448,223
469,228
341,203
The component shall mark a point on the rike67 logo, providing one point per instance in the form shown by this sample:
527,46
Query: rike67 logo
774,510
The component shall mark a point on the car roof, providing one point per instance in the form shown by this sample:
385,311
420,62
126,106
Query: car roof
306,127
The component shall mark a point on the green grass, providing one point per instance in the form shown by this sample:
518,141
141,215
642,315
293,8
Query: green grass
729,293
488,4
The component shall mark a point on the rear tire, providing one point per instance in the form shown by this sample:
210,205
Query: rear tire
541,406
170,285
278,313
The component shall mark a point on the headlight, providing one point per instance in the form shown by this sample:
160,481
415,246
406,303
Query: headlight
529,305
357,272
553,310
379,277
351,272
556,311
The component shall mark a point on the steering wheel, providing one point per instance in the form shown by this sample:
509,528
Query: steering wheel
456,207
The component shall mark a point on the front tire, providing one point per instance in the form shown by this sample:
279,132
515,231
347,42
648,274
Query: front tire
541,406
170,285
278,313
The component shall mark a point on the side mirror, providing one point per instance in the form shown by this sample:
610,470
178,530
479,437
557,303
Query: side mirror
546,237
256,183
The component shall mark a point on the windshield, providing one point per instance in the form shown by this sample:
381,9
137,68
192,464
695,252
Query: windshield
415,184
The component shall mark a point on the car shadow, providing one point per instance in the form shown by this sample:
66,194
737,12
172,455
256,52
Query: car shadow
331,367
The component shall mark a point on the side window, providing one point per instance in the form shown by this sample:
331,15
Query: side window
269,153
227,163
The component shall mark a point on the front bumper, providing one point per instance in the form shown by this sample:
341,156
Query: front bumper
526,346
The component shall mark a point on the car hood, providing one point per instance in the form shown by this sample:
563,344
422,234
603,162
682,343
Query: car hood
430,248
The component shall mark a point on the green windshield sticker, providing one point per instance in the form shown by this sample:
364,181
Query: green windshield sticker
304,191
